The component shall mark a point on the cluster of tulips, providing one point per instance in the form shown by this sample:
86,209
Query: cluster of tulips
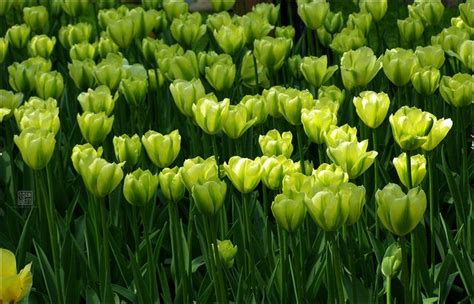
163,107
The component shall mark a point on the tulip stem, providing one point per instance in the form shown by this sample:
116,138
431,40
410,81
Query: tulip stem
337,267
149,251
405,278
376,181
429,159
106,260
413,279
388,289
299,138
410,182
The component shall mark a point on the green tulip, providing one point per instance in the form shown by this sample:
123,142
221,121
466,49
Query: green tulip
313,12
352,157
244,173
236,121
82,73
37,104
400,213
466,53
75,8
411,29
466,9
108,16
82,154
221,76
49,84
329,176
348,39
41,45
450,39
326,38
9,101
274,143
18,35
372,107
144,21
289,210
299,183
3,49
221,5
336,135
255,27
334,22
330,210
272,99
256,108
398,65
139,187
209,113
186,94
156,79
430,56
98,100
227,252
37,119
161,149
294,63
316,71
230,38
356,196
198,171
188,29
215,21
361,21
134,90
21,78
292,102
287,32
121,32
437,133
100,177
359,67
151,4
332,92
109,75
247,72
326,103
377,8
426,80
459,23
274,168
36,147
127,149
430,11
175,8
316,122
5,6
208,59
95,126
106,46
417,168
73,34
209,196
392,261
272,52
181,67
410,127
36,17
171,184
269,11
83,51
457,90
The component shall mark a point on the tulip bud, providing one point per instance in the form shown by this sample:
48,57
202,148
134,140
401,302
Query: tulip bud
313,12
18,35
221,76
269,11
356,199
329,176
106,46
411,29
175,8
161,149
299,182
432,55
294,63
457,90
100,177
15,286
144,21
316,122
256,108
466,9
255,27
377,8
398,65
134,90
274,168
289,210
410,127
222,5
361,21
430,11
82,73
459,23
36,147
333,93
182,67
41,45
450,39
139,187
466,53
50,84
359,67
330,210
236,121
151,4
95,126
74,34
324,37
208,59
109,75
287,32
98,100
400,213
21,78
75,8
5,6
209,196
336,135
372,107
215,21
418,169
272,52
438,132
127,149
156,80
244,173
82,155
36,17
3,49
187,29
426,80
348,39
9,101
392,261
186,93
83,51
43,119
227,252
198,171
230,38
274,143
247,72
316,71
333,22
292,102
209,113
121,32
171,184
352,157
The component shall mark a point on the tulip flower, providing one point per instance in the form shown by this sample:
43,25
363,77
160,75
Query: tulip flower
9,101
139,187
372,107
411,29
255,27
352,157
209,196
180,67
329,176
227,252
326,39
221,76
269,11
398,65
417,169
83,51
75,8
336,135
5,6
236,121
361,21
127,149
49,84
457,90
272,52
230,38
316,71
333,22
289,210
410,127
330,210
359,67
187,29
222,5
98,100
198,171
426,80
41,45
274,143
14,286
82,73
100,177
313,12
95,126
430,11
466,9
209,113
287,32
333,93
18,35
121,32
295,181
171,184
21,78
134,90
215,21
36,17
175,8
106,46
244,173
400,213
109,75
274,168
161,149
316,123
459,23
3,49
356,201
73,34
247,72
437,133
186,94
392,261
430,56
450,39
377,8
256,108
82,153
36,147
37,119
292,102
466,53
348,39
144,21
208,59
